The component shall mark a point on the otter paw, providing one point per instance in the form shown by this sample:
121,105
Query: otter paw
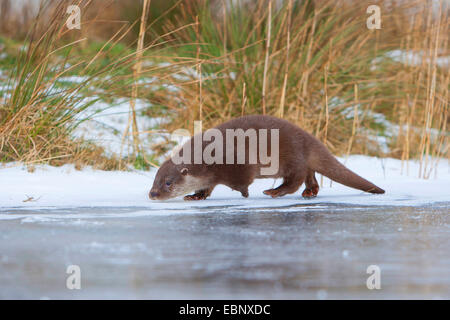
310,193
274,193
194,197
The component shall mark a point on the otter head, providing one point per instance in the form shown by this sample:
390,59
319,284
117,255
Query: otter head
170,182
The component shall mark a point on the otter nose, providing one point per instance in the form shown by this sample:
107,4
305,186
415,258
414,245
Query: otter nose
153,194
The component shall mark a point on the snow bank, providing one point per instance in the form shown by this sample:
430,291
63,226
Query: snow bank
417,58
65,187
107,122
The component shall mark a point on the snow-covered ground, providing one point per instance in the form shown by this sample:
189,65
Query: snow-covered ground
65,187
107,122
417,58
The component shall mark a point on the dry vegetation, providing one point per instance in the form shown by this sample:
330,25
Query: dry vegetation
323,67
314,63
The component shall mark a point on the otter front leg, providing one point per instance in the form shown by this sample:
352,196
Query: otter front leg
243,189
241,181
290,185
199,194
312,187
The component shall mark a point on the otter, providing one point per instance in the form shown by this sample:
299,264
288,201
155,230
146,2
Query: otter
300,156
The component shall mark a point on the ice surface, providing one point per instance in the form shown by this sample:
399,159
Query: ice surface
65,187
226,247
313,251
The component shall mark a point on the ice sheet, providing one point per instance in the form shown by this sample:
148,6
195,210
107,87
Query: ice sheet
65,187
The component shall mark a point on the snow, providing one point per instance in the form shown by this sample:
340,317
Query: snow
106,124
416,58
73,79
64,187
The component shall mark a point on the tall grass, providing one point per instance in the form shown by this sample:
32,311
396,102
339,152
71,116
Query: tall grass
37,114
377,92
315,63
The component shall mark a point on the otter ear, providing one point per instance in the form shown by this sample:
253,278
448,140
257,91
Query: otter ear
184,171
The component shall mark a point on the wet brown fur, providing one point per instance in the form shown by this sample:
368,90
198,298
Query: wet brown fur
300,156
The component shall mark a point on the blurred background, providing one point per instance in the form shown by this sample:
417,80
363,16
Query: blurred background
108,94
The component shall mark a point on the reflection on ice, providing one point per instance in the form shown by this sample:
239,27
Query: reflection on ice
318,251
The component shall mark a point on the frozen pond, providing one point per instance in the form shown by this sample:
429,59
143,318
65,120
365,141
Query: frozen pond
311,250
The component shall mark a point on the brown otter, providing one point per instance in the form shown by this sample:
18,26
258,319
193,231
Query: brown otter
300,155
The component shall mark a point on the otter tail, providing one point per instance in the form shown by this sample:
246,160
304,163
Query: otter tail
326,164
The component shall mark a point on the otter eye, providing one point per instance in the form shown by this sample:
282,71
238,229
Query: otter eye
168,183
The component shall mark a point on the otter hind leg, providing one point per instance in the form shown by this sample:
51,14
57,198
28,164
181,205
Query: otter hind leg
290,185
312,187
199,194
